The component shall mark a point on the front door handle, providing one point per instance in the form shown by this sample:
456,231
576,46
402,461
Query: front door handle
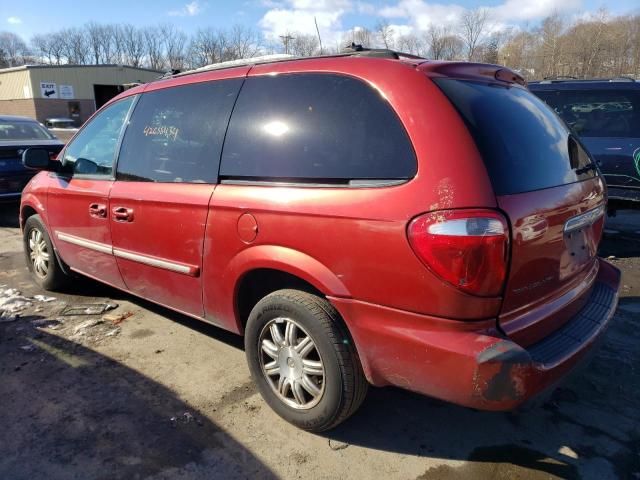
122,214
98,210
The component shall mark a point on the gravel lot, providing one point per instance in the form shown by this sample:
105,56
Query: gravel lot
159,395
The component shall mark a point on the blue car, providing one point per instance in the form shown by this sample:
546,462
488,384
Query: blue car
605,114
16,135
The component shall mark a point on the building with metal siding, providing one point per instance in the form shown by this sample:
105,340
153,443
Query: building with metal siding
73,91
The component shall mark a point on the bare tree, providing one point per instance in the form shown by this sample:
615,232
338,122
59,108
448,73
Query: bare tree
473,29
174,46
437,40
99,40
41,47
412,43
207,46
550,34
452,47
75,46
385,33
359,36
304,45
14,49
133,43
118,42
242,42
154,47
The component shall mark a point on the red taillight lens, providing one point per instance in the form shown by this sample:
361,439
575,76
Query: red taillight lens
467,248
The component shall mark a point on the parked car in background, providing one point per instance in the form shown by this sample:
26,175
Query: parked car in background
365,218
60,122
16,135
605,114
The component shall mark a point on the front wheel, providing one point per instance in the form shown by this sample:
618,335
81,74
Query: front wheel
304,364
41,259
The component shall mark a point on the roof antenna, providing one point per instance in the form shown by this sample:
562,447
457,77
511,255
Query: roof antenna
318,30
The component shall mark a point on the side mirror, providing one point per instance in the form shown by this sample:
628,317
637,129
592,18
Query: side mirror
38,159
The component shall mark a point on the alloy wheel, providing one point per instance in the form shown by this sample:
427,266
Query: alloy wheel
38,253
291,363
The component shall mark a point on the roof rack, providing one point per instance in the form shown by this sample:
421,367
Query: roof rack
352,50
567,78
561,77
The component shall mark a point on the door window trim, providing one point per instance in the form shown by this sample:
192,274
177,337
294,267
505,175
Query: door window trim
116,152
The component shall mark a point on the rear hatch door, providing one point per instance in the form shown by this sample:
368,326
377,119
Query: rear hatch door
546,185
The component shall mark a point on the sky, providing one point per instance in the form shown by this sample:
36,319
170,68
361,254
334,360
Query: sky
276,17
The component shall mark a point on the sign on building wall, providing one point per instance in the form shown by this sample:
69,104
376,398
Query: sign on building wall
48,90
66,92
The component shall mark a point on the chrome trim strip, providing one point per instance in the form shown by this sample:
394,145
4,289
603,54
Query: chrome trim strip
584,219
157,262
136,257
276,183
81,242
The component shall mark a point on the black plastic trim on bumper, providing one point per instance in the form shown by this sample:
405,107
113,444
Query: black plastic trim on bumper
572,336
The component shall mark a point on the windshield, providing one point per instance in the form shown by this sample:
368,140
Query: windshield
21,130
597,113
524,145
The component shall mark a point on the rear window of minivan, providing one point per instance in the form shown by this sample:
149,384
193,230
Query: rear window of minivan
524,144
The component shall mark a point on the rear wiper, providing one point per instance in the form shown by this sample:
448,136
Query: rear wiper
586,168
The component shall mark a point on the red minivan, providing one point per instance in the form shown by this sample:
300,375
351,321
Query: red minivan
361,219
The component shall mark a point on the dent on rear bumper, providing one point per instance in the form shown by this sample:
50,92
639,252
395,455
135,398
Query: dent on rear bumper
468,363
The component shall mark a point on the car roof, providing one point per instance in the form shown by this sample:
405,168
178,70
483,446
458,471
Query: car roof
16,118
616,83
325,63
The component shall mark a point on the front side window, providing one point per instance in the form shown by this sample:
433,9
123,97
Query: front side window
597,113
320,128
93,150
176,134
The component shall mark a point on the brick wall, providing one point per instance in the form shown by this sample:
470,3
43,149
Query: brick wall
23,107
43,108
48,108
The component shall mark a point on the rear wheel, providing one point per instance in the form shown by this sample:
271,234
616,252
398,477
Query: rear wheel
41,259
304,364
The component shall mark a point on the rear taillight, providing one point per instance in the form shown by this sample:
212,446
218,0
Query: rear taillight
466,248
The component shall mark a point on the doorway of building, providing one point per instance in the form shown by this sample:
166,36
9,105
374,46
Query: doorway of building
104,93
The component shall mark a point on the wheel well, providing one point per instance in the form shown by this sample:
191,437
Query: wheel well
26,213
259,283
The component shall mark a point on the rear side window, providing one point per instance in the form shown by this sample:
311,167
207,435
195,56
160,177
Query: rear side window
176,134
524,145
597,113
317,128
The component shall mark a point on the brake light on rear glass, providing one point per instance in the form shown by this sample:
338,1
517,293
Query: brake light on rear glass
466,248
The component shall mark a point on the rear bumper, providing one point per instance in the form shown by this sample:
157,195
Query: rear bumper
471,363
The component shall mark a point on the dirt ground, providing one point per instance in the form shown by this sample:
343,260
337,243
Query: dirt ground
163,396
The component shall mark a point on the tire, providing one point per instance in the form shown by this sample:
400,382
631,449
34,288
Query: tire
330,364
40,256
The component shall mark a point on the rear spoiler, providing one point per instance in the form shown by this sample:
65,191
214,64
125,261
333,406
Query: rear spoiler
468,70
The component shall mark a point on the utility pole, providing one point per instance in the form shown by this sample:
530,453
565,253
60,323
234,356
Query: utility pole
285,40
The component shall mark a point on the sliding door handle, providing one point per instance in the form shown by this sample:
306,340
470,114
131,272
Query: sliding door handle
98,210
122,214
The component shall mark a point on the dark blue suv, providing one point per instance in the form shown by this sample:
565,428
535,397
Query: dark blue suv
605,114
